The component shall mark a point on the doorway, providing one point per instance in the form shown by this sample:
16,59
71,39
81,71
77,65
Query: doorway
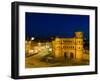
65,55
71,55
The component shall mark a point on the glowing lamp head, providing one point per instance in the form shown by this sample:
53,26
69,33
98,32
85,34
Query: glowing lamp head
39,44
50,49
32,38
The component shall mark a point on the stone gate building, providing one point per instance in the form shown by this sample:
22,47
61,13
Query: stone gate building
69,48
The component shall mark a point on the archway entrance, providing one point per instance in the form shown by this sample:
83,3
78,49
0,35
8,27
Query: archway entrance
71,55
65,55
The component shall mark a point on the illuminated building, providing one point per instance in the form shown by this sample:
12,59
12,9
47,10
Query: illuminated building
68,48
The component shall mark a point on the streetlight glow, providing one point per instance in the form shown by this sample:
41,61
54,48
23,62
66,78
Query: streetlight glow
32,38
39,44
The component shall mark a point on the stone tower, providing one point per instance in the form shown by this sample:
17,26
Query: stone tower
57,48
79,45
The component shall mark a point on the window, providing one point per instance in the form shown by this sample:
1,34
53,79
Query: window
64,47
58,46
64,41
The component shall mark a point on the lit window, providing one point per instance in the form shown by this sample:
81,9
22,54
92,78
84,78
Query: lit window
64,41
64,46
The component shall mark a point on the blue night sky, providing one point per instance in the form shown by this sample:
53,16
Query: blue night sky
64,25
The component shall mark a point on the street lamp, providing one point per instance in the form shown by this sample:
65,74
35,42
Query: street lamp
39,44
32,38
50,49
